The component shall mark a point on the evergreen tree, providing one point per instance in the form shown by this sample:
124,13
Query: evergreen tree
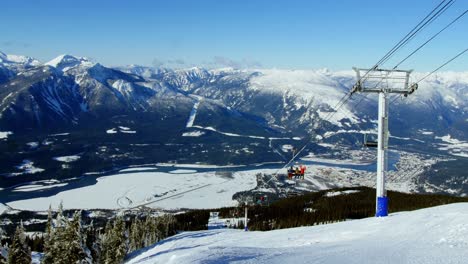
19,252
55,241
64,240
93,242
167,225
3,248
120,240
48,238
105,243
151,231
76,252
136,236
114,243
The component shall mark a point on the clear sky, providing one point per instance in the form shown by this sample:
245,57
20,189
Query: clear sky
291,34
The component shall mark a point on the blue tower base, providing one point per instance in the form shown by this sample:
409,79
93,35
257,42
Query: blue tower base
382,206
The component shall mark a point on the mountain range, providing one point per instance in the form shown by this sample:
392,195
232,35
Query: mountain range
136,114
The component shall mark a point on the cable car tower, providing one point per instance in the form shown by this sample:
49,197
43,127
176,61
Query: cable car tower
383,82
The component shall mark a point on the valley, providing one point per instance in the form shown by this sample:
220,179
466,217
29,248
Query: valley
139,138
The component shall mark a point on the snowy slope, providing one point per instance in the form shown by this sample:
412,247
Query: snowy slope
433,235
3,208
316,87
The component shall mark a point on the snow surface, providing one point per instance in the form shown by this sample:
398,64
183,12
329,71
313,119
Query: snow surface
331,194
180,189
287,148
182,171
3,208
36,257
66,62
37,187
27,167
196,133
4,134
310,85
120,129
18,59
138,169
454,146
67,159
193,113
111,131
238,135
200,166
432,235
214,222
311,157
33,144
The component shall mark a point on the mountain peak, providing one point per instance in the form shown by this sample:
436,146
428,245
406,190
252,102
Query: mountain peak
17,59
66,61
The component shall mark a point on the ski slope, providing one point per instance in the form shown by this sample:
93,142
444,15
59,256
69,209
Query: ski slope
193,113
433,235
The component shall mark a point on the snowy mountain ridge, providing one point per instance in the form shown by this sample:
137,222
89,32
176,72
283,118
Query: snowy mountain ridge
65,62
18,59
297,100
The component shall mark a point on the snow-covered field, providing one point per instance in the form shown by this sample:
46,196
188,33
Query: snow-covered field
173,190
37,187
170,186
196,133
4,135
67,159
433,235
453,146
27,167
120,129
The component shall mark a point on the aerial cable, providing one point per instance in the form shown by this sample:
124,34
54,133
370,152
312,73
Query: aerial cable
423,23
426,21
421,46
441,66
411,54
437,11
409,33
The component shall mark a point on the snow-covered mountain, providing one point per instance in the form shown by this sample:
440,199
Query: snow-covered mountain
18,60
65,62
10,65
294,101
298,100
433,235
222,116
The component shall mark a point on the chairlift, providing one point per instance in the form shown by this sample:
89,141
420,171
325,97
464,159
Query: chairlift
369,141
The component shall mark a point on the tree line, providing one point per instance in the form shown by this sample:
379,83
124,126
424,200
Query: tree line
67,240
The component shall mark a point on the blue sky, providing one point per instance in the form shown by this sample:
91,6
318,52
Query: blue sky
288,34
